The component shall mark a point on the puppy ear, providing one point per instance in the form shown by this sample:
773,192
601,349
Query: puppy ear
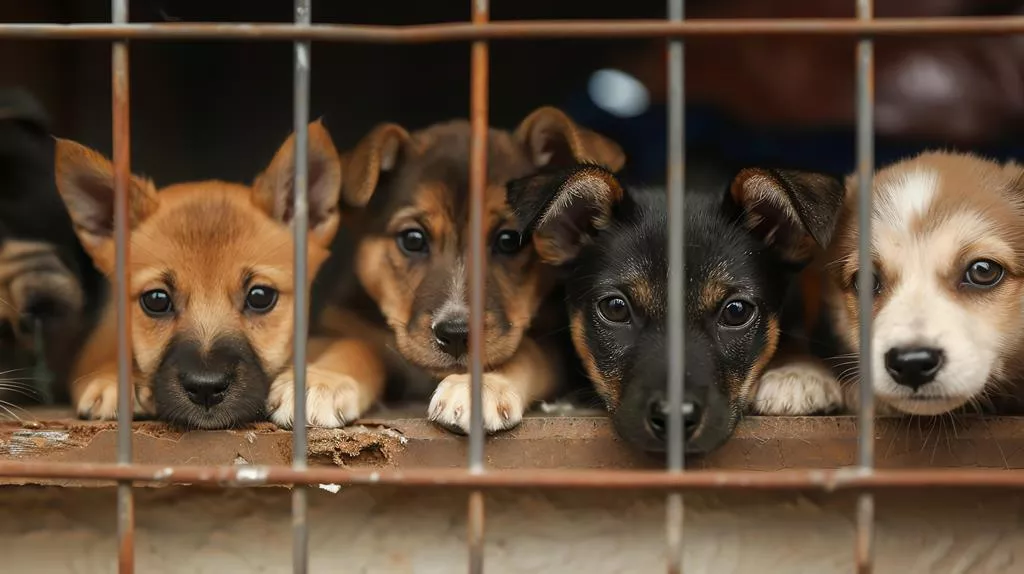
794,212
563,210
85,180
274,189
378,152
553,139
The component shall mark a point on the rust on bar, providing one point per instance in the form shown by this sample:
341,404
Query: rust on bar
478,118
846,479
518,30
475,531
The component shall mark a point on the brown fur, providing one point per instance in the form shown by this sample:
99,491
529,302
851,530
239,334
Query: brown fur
206,244
395,181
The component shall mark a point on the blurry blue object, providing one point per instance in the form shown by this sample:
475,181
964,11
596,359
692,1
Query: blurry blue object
711,134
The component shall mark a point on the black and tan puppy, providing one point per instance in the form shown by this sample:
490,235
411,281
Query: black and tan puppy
745,243
211,285
47,283
406,204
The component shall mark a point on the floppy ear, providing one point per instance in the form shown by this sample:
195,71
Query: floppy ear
378,152
553,139
563,210
794,212
274,189
85,180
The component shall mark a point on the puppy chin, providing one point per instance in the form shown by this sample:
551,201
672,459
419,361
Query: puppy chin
223,416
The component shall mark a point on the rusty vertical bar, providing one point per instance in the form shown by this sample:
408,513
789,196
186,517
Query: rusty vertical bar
865,286
125,389
674,510
300,226
478,115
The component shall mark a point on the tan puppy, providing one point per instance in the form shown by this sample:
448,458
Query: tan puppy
406,201
211,285
948,250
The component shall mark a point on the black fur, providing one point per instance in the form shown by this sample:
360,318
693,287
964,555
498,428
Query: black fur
629,254
231,360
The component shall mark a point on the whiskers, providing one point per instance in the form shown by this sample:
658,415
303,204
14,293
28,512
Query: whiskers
22,387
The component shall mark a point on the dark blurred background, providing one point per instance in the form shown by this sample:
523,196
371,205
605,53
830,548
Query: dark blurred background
220,109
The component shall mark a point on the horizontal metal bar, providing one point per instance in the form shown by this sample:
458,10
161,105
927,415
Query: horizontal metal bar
250,475
520,30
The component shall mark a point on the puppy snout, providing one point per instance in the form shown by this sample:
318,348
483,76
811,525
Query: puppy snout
205,388
657,418
452,336
914,367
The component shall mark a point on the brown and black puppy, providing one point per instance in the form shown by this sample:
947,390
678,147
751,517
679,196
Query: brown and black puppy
745,244
406,203
211,285
48,286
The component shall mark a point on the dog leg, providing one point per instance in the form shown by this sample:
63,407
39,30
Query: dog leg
95,395
343,380
530,375
801,385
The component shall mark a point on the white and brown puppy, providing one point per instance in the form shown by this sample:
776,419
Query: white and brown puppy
948,253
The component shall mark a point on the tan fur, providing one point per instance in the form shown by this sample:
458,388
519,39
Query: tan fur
607,385
934,215
30,268
518,373
207,242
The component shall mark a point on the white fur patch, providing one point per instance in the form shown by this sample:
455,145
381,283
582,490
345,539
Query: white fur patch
800,388
906,199
450,404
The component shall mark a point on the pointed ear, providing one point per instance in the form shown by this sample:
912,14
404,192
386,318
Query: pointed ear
552,139
85,180
794,212
274,189
563,210
378,152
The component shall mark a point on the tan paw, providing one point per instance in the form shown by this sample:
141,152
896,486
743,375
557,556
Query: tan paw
798,389
449,407
332,400
99,399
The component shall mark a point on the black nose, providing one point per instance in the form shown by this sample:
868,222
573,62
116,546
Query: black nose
452,336
657,418
913,366
205,388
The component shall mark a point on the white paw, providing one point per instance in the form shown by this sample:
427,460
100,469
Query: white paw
503,406
99,400
798,389
332,399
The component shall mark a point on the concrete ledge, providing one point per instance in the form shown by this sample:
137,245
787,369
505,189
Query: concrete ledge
399,439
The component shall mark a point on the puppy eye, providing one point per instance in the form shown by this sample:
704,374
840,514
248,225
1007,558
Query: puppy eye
876,287
156,303
614,309
507,242
736,313
261,299
983,273
412,241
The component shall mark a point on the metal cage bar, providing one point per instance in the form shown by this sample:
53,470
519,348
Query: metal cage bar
863,479
300,230
121,120
676,329
865,99
523,30
478,117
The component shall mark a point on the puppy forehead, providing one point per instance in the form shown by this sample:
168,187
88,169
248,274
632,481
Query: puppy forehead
214,235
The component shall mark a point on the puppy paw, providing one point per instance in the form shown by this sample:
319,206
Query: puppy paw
798,389
332,399
98,401
450,405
